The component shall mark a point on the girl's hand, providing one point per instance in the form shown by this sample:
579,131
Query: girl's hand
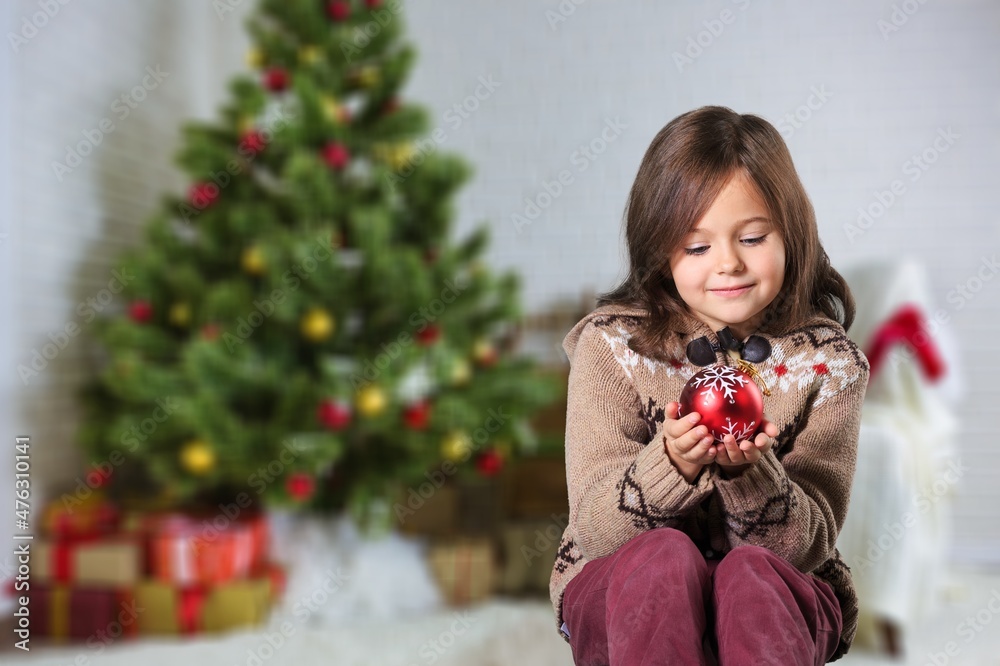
688,446
733,458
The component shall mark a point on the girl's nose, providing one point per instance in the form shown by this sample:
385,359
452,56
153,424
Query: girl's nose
729,261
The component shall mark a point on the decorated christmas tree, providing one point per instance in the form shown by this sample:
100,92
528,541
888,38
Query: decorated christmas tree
300,325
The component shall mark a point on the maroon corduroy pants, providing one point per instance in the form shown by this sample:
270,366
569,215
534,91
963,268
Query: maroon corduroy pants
658,600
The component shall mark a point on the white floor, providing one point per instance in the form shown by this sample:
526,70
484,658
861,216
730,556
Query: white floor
505,632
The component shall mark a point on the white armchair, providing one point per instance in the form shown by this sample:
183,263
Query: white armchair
896,531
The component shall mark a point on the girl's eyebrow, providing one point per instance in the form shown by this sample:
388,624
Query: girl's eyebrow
740,223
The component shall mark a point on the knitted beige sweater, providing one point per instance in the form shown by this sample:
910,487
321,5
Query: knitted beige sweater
792,501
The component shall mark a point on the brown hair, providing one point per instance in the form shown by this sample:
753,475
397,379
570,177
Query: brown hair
685,167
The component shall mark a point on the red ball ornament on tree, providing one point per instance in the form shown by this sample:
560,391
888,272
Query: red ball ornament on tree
333,414
300,486
417,415
203,194
428,335
728,400
335,155
276,79
373,4
489,463
140,311
253,141
210,331
97,477
338,10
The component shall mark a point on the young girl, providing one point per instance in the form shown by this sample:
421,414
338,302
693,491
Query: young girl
681,549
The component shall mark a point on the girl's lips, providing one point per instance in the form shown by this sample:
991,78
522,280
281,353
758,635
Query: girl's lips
730,293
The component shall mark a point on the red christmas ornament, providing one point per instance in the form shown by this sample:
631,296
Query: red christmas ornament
428,335
373,4
203,194
417,415
276,79
335,155
97,477
300,486
489,463
728,400
140,311
210,331
334,414
253,141
338,10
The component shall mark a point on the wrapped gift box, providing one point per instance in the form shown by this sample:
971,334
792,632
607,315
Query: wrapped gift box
171,609
529,553
200,549
114,561
73,518
62,612
464,569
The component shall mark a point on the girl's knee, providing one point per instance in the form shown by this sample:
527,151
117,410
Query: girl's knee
744,564
658,553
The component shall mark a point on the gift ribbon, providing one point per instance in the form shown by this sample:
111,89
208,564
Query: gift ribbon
62,562
907,325
190,609
62,567
125,598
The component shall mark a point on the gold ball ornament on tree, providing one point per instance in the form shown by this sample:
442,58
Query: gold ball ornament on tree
309,54
245,124
317,324
255,58
331,108
461,372
253,260
180,314
400,155
370,401
484,353
197,457
456,446
367,76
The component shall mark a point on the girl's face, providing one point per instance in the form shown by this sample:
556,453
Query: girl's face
734,245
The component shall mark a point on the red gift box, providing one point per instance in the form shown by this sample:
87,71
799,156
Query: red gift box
202,549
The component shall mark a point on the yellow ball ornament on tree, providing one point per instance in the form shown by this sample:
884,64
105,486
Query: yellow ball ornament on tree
370,401
461,372
309,54
317,325
331,108
197,457
456,446
255,58
400,155
245,124
180,314
368,76
253,260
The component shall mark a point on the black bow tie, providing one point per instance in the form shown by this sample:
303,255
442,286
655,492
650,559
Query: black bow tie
701,351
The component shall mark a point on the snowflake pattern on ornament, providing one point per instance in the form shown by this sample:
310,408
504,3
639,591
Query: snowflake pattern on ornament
720,378
739,433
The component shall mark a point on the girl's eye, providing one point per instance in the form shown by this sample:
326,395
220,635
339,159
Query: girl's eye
701,250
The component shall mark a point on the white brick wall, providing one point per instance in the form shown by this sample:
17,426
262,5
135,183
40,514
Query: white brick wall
558,87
